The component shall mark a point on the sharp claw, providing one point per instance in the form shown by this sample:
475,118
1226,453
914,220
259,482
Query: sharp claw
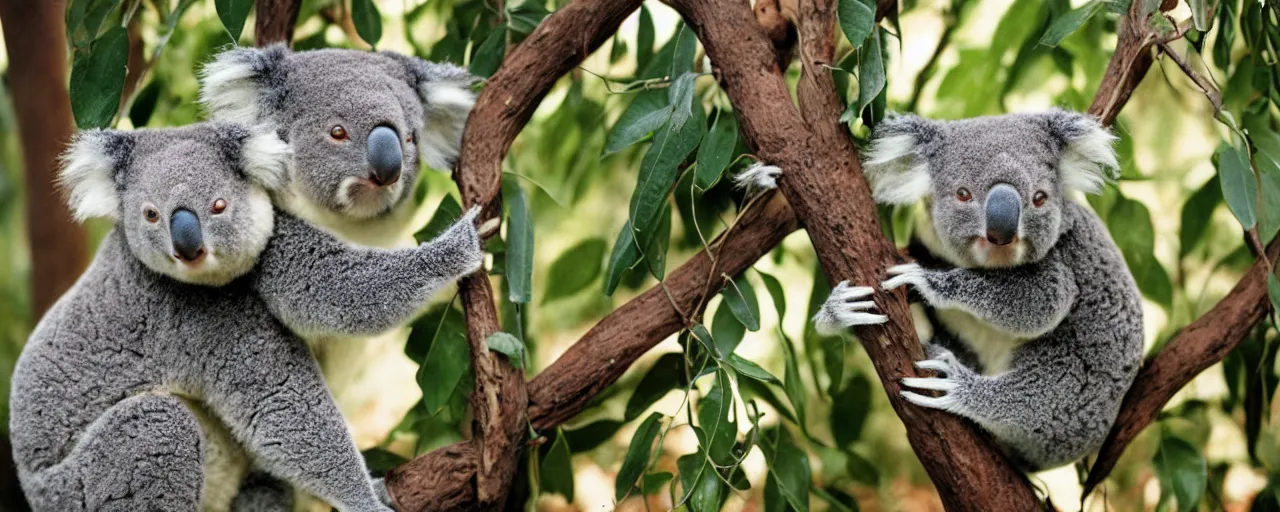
926,401
862,305
933,364
929,383
904,268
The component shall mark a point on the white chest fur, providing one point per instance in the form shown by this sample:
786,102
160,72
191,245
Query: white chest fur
993,346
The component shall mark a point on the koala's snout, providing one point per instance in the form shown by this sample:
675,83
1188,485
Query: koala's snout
384,155
1004,206
188,240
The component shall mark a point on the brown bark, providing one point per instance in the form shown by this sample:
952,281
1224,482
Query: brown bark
35,34
1196,347
822,182
275,21
1127,67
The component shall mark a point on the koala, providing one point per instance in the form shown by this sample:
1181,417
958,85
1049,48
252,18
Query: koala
359,123
1029,314
165,378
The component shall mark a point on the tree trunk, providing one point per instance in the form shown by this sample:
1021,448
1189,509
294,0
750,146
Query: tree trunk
275,21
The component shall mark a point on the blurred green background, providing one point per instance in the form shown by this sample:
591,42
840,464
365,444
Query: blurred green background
1214,448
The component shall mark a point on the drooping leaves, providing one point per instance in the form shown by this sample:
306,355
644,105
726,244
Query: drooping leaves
97,79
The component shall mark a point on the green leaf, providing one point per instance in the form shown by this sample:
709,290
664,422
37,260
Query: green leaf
775,292
519,244
716,150
655,254
448,358
574,269
740,296
446,213
1197,215
368,22
701,486
233,13
488,57
1267,162
525,17
646,113
849,409
644,38
624,257
1199,14
507,345
654,482
686,49
790,468
658,172
861,469
713,416
680,97
665,375
857,18
1129,222
791,382
1182,472
1239,185
97,79
379,461
592,435
727,330
699,333
1226,37
637,455
746,368
871,78
556,471
1067,23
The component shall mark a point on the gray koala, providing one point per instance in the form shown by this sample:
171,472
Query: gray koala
164,376
359,124
1031,317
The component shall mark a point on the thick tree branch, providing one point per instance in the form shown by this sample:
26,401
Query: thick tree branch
275,21
1128,65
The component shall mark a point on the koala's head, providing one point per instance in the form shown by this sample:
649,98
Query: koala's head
357,121
994,187
191,201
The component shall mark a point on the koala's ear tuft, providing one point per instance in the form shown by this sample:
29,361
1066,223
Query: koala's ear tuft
238,85
266,158
445,91
1088,160
897,164
89,169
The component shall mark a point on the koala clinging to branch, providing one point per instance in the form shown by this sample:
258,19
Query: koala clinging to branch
164,375
1030,316
359,124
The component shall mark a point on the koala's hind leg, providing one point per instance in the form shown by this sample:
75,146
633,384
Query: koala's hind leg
142,454
758,177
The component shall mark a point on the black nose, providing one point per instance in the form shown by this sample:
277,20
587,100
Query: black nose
184,229
1004,206
385,156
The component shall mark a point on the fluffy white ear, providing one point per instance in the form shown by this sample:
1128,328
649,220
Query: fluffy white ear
1088,159
266,158
232,85
894,165
88,173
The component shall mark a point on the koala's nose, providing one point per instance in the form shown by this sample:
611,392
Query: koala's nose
385,156
1004,206
184,230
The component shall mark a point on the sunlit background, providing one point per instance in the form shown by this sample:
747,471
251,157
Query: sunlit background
578,201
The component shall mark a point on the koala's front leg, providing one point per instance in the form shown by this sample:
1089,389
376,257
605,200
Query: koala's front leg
759,176
846,307
319,285
1026,301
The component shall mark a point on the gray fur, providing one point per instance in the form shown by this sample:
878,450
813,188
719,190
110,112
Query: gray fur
137,391
1036,341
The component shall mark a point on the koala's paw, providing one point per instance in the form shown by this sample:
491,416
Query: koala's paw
909,274
460,246
758,177
845,308
951,381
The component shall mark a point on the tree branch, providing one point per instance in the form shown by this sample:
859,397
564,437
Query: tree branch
275,21
1127,67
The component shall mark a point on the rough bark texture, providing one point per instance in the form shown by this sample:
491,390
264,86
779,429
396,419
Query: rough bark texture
38,78
1196,347
822,182
1128,65
604,353
275,21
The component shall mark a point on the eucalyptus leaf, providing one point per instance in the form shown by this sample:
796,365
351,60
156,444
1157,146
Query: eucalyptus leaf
557,469
658,172
644,38
790,469
1182,472
646,113
446,213
665,375
714,411
507,345
871,78
1239,185
716,150
857,18
637,457
1197,215
488,56
740,296
519,270
368,21
1070,21
97,79
727,330
624,256
575,269
233,13
448,358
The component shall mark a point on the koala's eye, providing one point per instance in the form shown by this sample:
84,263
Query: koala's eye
964,195
151,214
1039,198
410,139
219,205
338,132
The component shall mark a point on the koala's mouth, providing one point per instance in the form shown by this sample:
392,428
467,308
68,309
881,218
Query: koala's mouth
362,198
990,255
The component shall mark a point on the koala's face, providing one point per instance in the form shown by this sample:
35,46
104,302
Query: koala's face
358,122
994,187
190,201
